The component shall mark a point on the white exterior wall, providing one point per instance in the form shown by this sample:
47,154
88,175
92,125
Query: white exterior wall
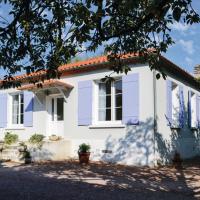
39,119
185,141
129,144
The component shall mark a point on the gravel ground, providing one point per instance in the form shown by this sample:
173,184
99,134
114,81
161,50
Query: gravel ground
68,180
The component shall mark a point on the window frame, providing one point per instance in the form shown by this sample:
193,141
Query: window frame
19,111
193,103
96,120
175,104
54,116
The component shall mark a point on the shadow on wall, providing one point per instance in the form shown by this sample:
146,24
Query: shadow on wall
184,141
42,154
135,147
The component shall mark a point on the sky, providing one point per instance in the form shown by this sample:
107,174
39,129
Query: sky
186,50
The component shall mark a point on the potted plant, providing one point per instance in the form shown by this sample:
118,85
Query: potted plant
54,137
25,154
84,153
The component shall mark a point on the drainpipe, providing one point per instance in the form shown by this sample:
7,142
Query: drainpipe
154,114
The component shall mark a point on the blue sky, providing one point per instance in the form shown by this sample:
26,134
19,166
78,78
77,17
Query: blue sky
186,50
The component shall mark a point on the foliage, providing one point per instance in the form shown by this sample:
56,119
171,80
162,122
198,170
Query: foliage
10,138
36,139
24,151
38,35
84,148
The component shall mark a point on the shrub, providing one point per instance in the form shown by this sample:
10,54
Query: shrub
36,139
10,138
84,148
24,151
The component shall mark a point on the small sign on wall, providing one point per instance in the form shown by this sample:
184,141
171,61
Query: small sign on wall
106,151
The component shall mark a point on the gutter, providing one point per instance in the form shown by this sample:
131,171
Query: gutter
154,115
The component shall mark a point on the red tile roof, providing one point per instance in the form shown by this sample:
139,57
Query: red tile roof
89,64
46,83
102,62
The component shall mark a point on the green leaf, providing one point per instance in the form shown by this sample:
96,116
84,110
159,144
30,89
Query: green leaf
177,13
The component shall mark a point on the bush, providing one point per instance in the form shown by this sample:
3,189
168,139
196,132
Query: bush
84,148
36,139
10,138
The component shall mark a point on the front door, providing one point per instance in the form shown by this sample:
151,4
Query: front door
56,116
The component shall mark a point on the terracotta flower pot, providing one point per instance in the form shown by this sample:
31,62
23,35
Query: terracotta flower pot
27,160
84,157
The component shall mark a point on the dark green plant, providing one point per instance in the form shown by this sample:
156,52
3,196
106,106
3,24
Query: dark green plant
36,139
24,152
10,138
46,34
84,148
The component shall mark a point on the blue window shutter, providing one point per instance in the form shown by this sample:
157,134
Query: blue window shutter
130,99
169,103
3,110
85,103
189,110
28,108
182,108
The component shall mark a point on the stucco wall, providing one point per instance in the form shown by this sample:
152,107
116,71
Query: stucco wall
39,119
129,144
186,141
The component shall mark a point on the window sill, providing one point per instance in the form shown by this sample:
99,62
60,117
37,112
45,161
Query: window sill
15,128
96,126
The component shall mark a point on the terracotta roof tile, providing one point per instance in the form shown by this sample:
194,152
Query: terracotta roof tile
100,61
46,83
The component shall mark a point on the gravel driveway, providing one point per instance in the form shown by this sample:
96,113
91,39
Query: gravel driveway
68,180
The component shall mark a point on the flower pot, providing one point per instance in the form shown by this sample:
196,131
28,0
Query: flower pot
54,137
177,161
84,157
27,160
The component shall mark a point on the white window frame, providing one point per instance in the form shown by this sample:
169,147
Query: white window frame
11,111
55,115
175,104
96,121
193,109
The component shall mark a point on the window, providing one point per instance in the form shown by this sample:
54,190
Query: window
175,104
110,100
60,107
18,109
193,110
57,106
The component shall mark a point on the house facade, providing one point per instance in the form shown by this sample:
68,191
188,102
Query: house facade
135,119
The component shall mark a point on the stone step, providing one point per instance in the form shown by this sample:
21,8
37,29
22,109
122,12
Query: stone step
10,153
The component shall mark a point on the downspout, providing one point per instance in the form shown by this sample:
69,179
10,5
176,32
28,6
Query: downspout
154,115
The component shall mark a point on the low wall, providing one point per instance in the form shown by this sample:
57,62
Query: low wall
50,150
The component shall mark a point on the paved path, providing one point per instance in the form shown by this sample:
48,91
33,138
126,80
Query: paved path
68,180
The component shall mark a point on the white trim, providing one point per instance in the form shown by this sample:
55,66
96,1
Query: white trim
95,113
15,127
111,125
10,112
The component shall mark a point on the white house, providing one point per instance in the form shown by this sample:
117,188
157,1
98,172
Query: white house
135,120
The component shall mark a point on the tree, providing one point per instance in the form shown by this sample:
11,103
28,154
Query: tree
41,35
